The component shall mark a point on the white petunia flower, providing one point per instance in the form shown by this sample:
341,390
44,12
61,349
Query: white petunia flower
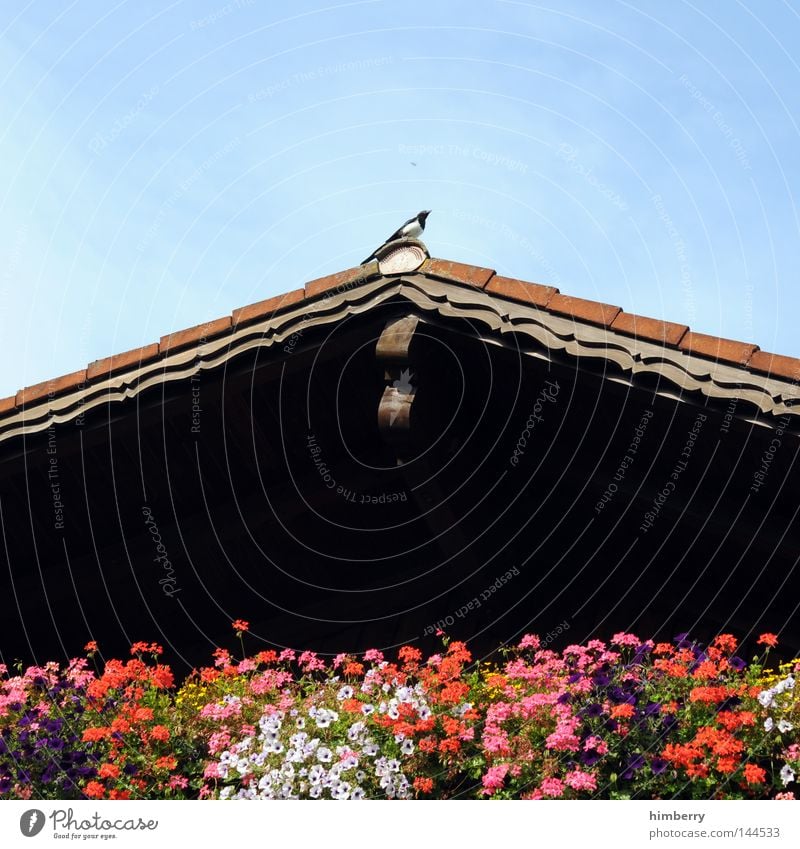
768,724
766,698
787,775
345,692
324,755
407,747
784,725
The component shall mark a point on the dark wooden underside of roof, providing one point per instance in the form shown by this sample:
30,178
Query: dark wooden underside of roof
278,499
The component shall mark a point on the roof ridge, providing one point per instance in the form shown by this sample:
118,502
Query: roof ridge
549,298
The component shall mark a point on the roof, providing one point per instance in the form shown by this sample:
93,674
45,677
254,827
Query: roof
577,327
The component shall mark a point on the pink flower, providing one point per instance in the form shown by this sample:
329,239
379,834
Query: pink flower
212,771
218,742
309,662
373,655
222,657
530,641
563,739
579,780
552,787
287,654
494,778
339,660
787,796
246,665
178,781
623,639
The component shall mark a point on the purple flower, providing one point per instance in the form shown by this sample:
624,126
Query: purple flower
634,764
574,678
621,696
652,709
601,679
564,699
737,663
658,765
668,723
590,758
593,710
5,784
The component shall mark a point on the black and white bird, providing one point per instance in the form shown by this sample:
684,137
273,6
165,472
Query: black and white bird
412,229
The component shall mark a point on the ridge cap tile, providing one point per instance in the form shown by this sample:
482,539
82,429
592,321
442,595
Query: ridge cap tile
460,272
338,279
595,312
54,386
718,348
183,338
106,366
778,365
522,291
267,307
648,328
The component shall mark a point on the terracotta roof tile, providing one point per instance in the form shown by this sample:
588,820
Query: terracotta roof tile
776,365
546,297
116,362
264,309
650,329
716,348
591,311
519,290
341,279
472,275
55,386
196,334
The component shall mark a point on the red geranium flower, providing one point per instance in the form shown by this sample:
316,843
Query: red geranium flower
94,790
754,774
770,640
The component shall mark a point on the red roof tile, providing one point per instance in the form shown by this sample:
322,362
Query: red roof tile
545,297
342,279
776,365
50,387
117,362
650,329
519,290
715,348
472,275
591,311
193,335
264,309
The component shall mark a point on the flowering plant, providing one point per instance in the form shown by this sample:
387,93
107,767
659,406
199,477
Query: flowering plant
627,718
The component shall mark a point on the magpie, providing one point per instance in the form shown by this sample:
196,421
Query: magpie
410,230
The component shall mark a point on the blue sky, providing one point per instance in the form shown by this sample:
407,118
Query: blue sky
164,163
